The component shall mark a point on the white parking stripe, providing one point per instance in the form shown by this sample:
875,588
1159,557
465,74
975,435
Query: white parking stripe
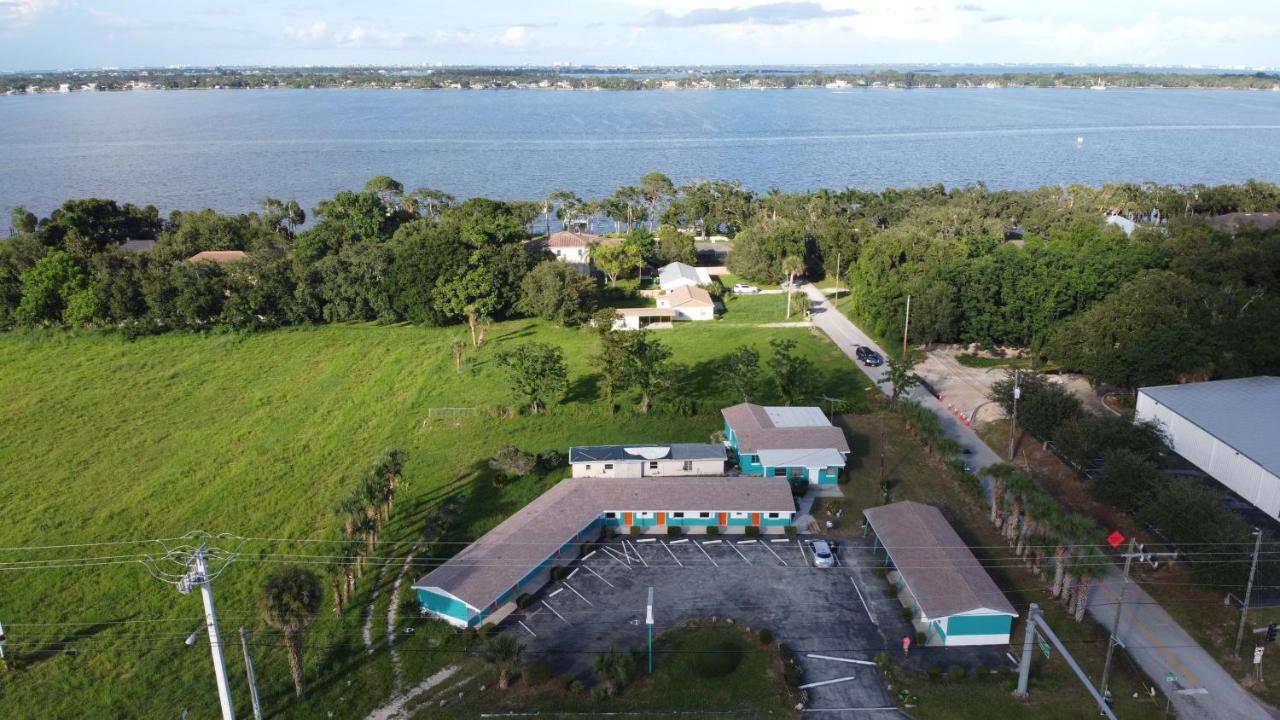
746,542
826,682
646,540
555,592
574,590
744,557
677,542
838,659
870,617
526,628
803,555
575,572
704,552
673,555
710,542
637,552
618,557
588,555
553,611
775,554
781,540
593,572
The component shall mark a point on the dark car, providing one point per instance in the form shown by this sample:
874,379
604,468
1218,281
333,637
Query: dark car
868,357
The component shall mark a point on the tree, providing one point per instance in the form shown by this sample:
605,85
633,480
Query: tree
22,220
674,246
615,668
1128,481
291,599
568,206
647,366
739,371
48,289
761,248
294,215
503,652
656,188
615,258
428,201
795,377
1043,406
536,372
901,377
792,265
557,292
471,294
613,361
384,185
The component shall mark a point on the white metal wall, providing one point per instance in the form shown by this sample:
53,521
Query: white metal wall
1237,472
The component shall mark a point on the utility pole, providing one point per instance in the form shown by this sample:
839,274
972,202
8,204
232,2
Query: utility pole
199,577
1013,425
906,327
648,621
248,671
1036,621
4,666
1244,611
837,302
1115,621
1028,647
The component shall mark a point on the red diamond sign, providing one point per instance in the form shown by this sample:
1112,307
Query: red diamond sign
1114,539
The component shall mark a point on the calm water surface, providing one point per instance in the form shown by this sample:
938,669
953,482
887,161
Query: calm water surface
227,149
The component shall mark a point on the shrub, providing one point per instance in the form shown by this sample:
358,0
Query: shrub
753,531
880,571
907,614
558,573
955,673
713,530
586,549
766,636
537,672
598,694
610,532
934,671
674,531
636,530
882,660
790,531
511,460
524,600
893,588
550,460
921,639
717,661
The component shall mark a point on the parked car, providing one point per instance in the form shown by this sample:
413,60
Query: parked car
745,289
823,557
868,357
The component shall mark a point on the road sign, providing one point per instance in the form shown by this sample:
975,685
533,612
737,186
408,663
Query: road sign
1257,655
1044,648
1114,539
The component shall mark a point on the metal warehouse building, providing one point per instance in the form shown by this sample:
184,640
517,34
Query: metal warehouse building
1228,428
953,600
483,581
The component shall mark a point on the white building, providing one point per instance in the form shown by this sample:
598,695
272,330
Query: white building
1228,428
678,274
572,247
688,303
633,461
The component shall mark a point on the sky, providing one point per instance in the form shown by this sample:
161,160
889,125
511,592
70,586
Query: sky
65,34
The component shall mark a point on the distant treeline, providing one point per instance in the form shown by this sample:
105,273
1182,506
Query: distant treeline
611,79
1179,298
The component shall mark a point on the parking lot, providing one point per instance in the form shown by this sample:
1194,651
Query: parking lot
840,613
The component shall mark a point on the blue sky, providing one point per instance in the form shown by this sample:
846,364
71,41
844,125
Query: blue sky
55,34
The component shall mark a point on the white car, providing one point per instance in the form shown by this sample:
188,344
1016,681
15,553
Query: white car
822,555
745,289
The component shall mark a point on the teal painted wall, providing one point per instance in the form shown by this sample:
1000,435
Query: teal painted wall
979,624
442,605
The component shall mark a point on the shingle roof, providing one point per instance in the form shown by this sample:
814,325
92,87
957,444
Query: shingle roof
497,561
568,238
218,256
679,451
678,271
1237,221
1243,413
688,295
782,428
943,575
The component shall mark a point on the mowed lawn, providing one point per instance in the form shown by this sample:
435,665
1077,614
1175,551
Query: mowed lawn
258,435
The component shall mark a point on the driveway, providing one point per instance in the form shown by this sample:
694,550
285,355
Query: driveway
1154,640
841,613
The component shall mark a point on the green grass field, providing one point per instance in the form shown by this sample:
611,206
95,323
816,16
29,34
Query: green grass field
258,435
757,309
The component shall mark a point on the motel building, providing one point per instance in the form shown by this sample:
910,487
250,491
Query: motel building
633,461
953,600
483,582
797,443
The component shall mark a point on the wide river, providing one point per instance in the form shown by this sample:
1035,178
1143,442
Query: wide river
228,149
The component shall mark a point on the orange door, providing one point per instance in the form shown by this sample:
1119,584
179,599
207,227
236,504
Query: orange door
724,518
755,518
662,518
627,518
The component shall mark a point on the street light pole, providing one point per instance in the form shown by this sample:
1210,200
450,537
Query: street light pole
1013,424
248,670
1244,611
1115,621
648,621
199,576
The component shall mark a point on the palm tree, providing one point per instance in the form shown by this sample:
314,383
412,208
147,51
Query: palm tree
503,652
337,570
1070,532
294,215
999,475
389,468
614,667
291,599
1088,568
791,266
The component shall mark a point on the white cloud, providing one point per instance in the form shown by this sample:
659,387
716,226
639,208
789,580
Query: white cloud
319,34
15,13
516,36
307,34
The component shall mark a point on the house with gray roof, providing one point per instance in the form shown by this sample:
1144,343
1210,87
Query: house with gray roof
798,443
634,461
953,600
678,274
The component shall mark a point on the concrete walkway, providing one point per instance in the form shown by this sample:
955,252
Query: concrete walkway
1153,639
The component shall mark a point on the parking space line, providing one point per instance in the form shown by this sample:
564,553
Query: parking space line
574,590
803,555
529,615
775,554
820,683
618,557
637,552
646,540
553,611
555,592
870,617
781,540
677,542
746,542
704,552
526,628
606,582
575,572
744,557
839,659
673,555
588,555
710,542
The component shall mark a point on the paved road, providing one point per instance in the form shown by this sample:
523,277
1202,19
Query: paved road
1154,640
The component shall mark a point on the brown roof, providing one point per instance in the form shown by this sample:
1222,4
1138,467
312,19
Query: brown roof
943,575
493,564
756,431
1237,221
218,256
689,295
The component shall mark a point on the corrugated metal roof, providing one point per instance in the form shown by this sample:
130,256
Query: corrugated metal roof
679,451
806,458
1243,413
493,564
943,575
677,271
797,417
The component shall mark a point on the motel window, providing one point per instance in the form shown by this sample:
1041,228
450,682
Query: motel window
653,465
646,514
608,466
704,514
610,515
737,515
588,467
773,515
688,465
780,472
677,514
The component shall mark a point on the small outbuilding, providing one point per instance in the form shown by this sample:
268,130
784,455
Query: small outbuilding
952,598
678,274
797,443
681,459
689,302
